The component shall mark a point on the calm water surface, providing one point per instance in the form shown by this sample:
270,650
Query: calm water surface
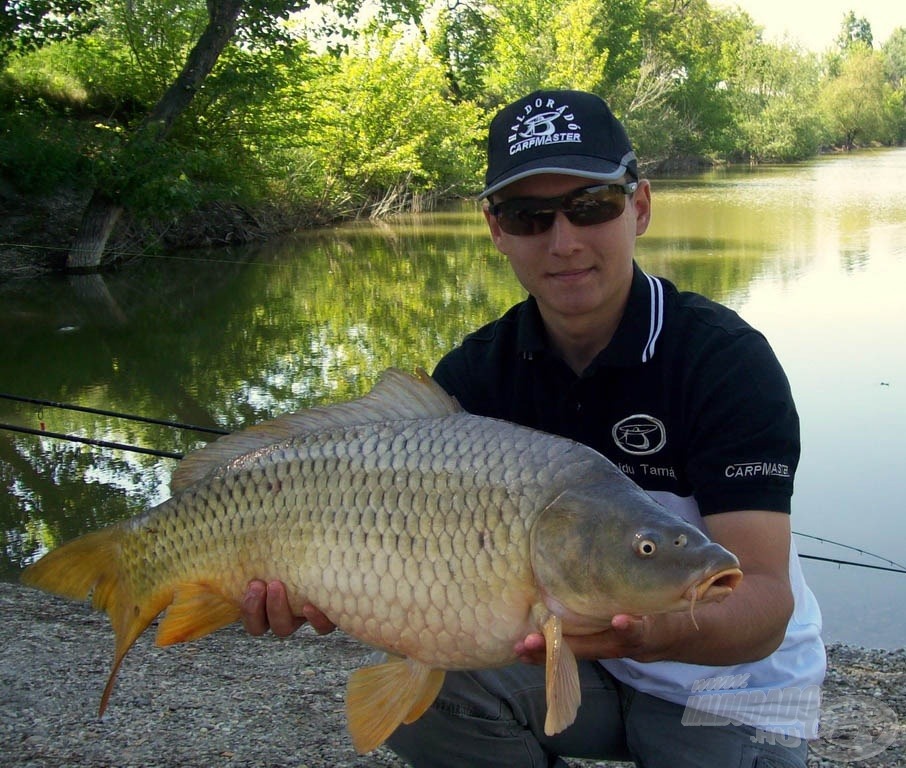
814,255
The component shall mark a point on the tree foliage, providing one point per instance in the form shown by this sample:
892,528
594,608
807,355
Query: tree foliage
894,51
462,40
856,104
386,127
386,103
854,31
29,24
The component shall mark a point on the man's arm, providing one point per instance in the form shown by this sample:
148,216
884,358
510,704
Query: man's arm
748,625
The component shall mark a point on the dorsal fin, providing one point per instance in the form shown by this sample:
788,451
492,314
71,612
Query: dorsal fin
397,396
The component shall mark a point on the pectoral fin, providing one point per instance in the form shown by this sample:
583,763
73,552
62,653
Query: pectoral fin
561,679
381,697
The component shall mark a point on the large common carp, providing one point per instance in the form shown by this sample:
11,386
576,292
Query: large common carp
438,536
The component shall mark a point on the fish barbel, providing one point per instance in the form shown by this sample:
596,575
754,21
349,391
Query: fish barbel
438,536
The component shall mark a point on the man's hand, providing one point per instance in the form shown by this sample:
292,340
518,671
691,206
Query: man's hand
624,637
266,606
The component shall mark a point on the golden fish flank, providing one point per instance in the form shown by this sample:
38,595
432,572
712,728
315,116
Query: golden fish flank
438,536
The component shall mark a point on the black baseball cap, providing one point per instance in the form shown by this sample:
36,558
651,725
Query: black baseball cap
569,132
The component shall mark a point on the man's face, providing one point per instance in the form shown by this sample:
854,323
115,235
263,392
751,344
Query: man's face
574,271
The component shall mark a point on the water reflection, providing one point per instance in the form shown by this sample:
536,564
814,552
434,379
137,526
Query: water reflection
813,255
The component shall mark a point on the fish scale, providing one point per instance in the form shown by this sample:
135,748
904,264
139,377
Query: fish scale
441,537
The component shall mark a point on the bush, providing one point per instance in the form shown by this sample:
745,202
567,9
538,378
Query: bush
40,152
381,123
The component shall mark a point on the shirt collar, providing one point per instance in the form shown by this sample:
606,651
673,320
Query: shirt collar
636,338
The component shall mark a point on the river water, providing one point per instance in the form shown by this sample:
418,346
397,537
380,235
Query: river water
812,254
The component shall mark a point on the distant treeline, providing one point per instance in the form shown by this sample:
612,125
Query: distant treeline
330,110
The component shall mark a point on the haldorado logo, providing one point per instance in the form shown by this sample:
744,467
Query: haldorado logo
543,122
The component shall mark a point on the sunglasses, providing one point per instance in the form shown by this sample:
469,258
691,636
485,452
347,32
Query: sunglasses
582,207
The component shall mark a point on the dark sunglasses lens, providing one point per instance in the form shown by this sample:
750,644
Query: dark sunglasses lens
517,220
595,207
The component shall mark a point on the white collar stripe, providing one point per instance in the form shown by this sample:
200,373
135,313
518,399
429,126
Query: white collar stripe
656,322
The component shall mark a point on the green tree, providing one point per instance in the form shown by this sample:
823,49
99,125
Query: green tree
854,31
619,24
105,206
545,44
694,115
774,90
29,24
463,41
253,22
894,51
386,129
856,104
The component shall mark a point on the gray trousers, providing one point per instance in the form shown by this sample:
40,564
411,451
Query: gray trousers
496,718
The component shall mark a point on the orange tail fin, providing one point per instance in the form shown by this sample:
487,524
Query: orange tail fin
91,565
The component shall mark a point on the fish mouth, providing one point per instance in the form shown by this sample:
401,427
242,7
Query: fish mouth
712,589
716,587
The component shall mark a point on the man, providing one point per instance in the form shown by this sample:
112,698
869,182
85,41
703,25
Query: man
692,404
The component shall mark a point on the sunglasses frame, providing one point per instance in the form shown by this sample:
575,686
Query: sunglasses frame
550,205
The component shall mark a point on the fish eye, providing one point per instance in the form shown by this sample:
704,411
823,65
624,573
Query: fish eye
644,547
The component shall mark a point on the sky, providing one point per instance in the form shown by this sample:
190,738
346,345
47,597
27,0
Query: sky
815,24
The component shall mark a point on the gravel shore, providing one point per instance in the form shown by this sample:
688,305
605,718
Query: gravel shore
232,700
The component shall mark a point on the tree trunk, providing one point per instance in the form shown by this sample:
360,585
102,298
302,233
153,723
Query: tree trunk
222,18
104,209
98,221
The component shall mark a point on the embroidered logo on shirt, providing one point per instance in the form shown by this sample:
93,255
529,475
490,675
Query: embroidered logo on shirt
758,469
640,434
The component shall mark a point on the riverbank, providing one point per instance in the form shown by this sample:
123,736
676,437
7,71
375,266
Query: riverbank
231,700
36,231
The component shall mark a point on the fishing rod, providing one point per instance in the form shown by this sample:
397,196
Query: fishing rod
113,414
891,567
107,413
853,562
92,441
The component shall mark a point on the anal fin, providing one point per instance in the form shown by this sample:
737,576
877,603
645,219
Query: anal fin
198,609
429,692
380,697
561,679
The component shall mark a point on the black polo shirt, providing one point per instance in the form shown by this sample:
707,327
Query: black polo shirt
687,399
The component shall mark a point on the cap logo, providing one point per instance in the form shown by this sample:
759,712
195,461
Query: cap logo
543,122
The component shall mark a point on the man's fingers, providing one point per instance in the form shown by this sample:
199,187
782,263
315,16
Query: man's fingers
623,622
266,607
531,650
282,621
254,612
322,625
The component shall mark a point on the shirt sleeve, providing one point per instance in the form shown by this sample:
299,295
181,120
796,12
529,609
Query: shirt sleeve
743,445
